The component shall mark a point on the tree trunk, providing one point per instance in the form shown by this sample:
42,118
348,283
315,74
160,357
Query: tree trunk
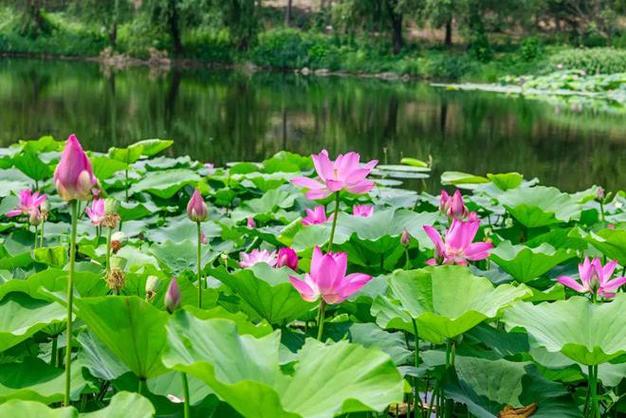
177,45
397,41
448,38
288,13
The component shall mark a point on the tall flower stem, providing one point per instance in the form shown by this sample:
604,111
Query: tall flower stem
332,230
320,320
602,211
199,262
185,395
593,391
108,251
416,361
41,233
70,300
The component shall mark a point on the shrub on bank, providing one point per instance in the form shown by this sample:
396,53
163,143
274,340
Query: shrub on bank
590,60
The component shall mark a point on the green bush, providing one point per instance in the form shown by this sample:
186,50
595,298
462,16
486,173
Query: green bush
445,66
281,48
590,60
208,45
530,48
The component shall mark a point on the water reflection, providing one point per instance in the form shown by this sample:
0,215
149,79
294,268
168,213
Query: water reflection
225,116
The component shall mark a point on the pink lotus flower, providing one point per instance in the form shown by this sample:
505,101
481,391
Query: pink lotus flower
315,216
257,256
594,278
405,238
96,212
250,222
364,211
287,257
345,173
458,247
29,202
73,177
197,210
328,279
453,206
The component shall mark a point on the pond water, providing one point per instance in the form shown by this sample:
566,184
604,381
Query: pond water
222,116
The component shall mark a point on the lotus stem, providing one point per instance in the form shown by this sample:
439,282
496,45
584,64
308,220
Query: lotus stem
416,360
36,240
126,183
332,230
140,386
320,320
185,395
41,233
108,251
70,300
199,262
593,391
53,352
602,211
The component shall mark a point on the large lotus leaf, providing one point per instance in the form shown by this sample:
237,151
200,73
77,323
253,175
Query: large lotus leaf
266,292
105,167
267,204
244,326
33,379
132,329
30,164
177,257
540,206
486,386
380,233
458,178
245,372
506,181
21,316
525,263
587,333
611,242
96,357
447,301
146,147
287,162
392,343
86,283
165,183
122,405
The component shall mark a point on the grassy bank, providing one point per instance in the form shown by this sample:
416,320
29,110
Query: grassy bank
288,49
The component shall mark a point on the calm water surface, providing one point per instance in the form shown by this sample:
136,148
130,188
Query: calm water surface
227,116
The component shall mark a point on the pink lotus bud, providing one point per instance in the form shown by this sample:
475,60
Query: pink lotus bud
287,257
600,194
405,238
73,177
250,222
197,210
172,296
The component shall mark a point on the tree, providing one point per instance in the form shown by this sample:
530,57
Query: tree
239,16
378,15
108,13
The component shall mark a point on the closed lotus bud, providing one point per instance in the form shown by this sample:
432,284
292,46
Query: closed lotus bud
197,210
405,238
73,176
250,222
600,194
151,285
287,257
44,208
172,296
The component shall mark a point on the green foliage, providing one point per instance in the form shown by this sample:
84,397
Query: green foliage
592,60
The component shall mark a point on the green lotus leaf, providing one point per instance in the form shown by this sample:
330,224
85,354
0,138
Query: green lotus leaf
324,383
33,379
165,183
52,256
132,153
132,329
458,178
96,357
266,291
540,206
506,181
104,167
587,333
525,263
611,242
122,405
21,316
380,233
287,162
55,280
486,386
29,163
432,297
267,204
176,257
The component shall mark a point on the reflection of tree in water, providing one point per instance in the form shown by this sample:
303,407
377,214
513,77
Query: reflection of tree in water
225,116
